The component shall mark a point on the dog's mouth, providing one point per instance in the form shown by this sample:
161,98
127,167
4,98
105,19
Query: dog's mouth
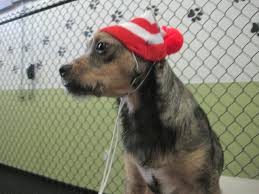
78,89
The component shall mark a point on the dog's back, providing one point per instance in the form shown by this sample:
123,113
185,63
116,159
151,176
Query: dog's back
169,138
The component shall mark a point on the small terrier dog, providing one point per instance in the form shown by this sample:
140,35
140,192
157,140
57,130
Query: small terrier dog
169,145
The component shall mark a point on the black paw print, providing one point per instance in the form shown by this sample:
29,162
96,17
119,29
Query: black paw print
10,50
26,47
89,31
93,4
70,23
1,63
38,65
195,14
116,17
153,8
237,1
15,69
30,72
255,28
45,40
61,51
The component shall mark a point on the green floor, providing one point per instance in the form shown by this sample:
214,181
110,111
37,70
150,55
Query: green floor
64,138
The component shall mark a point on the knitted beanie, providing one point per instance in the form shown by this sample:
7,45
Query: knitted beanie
143,36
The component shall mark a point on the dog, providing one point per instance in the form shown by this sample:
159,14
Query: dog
169,145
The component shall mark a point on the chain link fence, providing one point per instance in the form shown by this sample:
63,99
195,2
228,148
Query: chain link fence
46,131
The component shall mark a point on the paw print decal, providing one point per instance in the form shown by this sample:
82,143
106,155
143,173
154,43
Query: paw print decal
93,4
26,47
61,51
15,69
116,17
255,28
21,97
45,40
10,50
153,8
89,31
70,23
195,14
1,64
30,72
38,65
237,1
24,10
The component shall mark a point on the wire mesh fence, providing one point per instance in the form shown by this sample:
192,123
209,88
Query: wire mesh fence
46,131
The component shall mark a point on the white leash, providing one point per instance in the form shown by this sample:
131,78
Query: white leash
115,135
112,149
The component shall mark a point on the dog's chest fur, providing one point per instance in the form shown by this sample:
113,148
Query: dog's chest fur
144,134
167,121
156,180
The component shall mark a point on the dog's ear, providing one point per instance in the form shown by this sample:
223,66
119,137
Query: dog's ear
161,64
141,65
145,65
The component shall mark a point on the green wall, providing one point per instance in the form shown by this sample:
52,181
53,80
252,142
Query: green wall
56,135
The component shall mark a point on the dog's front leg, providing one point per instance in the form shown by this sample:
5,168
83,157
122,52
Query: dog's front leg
135,183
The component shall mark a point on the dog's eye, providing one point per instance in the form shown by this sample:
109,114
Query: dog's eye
101,47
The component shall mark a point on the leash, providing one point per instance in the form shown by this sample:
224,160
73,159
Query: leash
112,150
115,133
137,64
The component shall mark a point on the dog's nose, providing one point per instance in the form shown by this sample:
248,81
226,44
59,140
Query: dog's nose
64,70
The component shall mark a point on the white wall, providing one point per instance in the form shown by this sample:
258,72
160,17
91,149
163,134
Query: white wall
236,185
219,48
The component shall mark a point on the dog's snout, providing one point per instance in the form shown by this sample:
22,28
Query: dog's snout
64,70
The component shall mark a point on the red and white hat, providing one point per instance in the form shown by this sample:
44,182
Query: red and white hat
143,36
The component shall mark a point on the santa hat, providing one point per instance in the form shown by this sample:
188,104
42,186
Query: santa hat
143,36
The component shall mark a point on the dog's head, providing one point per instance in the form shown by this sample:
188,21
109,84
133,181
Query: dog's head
106,69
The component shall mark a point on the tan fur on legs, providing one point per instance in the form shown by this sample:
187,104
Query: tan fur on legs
135,183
